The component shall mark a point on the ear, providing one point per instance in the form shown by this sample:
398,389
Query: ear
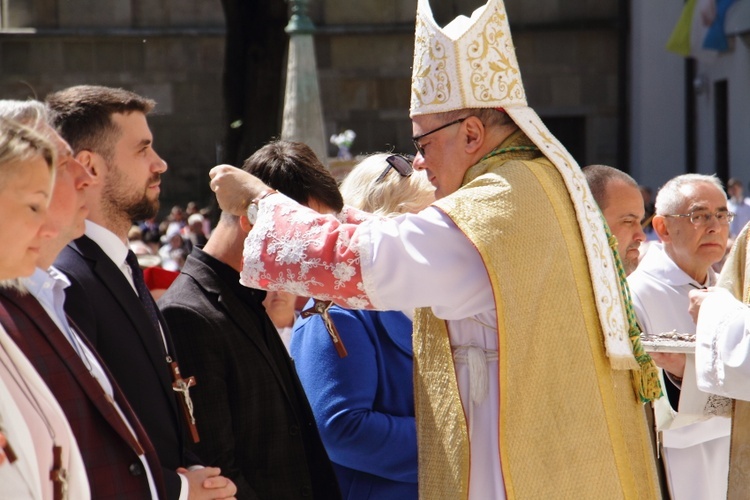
475,134
245,223
92,162
659,224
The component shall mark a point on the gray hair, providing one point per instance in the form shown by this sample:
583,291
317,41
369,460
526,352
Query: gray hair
490,117
670,198
30,113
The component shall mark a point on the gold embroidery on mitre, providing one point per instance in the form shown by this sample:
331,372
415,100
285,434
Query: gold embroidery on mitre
477,69
431,83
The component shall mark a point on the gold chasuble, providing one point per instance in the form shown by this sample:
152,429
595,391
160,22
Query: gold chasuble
570,425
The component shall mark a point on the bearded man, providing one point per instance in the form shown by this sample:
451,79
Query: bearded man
109,133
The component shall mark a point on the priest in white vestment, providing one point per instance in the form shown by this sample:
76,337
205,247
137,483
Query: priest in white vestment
722,351
692,221
722,360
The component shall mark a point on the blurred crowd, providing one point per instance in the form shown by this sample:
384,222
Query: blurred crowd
162,246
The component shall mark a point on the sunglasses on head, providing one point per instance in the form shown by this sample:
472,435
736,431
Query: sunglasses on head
401,164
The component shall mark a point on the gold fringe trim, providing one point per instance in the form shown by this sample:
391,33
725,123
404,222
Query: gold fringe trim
645,379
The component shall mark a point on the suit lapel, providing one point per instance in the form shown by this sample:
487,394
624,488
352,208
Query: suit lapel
90,386
111,276
146,445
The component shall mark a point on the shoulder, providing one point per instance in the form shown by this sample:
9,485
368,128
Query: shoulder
354,326
83,258
184,293
336,312
70,258
642,284
195,298
191,317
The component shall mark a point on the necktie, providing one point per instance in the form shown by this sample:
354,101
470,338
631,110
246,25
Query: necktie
181,385
143,292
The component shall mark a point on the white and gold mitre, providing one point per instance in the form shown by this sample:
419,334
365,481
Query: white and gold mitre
471,63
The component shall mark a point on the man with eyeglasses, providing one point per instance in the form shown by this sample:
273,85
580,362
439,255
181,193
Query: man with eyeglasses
522,351
692,222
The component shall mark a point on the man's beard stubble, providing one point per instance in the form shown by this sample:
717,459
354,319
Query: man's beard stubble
118,204
143,209
630,265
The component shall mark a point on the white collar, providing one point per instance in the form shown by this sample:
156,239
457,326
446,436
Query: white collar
108,241
658,264
52,279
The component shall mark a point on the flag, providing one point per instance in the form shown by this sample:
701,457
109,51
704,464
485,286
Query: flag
679,41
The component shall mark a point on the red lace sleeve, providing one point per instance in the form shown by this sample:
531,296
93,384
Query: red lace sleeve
296,249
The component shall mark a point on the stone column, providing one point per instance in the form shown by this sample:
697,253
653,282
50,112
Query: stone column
303,115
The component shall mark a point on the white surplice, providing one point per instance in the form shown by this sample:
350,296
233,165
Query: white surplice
722,351
696,445
468,307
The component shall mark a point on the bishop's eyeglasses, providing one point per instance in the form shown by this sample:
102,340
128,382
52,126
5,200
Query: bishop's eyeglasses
703,217
417,138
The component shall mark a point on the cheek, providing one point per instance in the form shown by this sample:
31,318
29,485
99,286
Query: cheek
19,235
12,234
33,224
19,226
623,233
62,200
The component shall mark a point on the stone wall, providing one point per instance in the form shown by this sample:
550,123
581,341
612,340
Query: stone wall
568,52
169,50
173,50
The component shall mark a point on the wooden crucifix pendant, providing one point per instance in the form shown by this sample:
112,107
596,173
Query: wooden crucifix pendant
10,454
58,475
321,307
7,448
182,386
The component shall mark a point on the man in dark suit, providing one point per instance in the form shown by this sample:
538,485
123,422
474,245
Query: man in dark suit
109,133
253,416
118,455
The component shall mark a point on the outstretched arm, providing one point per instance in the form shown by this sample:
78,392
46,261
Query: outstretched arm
357,260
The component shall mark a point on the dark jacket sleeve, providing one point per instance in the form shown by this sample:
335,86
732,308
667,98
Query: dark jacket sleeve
200,357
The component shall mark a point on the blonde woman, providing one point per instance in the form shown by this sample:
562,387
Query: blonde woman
364,403
374,186
47,463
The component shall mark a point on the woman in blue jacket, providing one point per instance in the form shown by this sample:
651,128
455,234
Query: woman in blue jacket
364,403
